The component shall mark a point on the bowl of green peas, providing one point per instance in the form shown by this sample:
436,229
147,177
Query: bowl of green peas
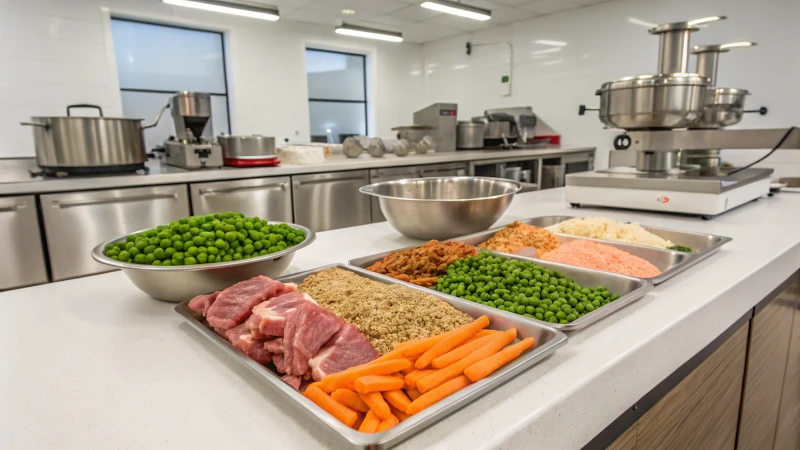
202,254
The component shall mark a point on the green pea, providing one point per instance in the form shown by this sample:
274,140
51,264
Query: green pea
237,256
141,258
191,251
166,263
178,245
149,249
189,260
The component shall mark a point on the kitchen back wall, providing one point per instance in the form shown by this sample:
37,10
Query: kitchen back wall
57,52
561,59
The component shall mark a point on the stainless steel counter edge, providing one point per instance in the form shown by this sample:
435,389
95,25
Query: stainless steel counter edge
22,183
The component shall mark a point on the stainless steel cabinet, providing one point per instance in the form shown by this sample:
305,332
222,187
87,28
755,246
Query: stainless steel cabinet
400,173
76,222
23,263
327,201
267,198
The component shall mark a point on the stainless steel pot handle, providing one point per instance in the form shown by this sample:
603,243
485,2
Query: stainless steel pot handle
32,124
84,105
763,110
583,108
158,117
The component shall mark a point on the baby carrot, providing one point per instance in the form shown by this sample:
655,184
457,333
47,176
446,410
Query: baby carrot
397,398
350,399
486,366
459,353
346,415
340,379
495,344
413,377
436,394
397,413
413,394
377,404
452,339
388,423
319,385
410,368
359,421
394,354
370,424
377,383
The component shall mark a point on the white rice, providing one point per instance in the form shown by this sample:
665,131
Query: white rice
604,228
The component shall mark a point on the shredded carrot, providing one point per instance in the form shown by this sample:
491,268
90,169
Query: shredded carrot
495,344
486,366
413,394
397,398
453,338
437,394
388,423
345,415
340,379
371,423
377,404
413,377
377,383
459,353
350,399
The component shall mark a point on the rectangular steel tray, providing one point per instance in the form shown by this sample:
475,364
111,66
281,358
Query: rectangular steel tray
547,338
628,288
669,262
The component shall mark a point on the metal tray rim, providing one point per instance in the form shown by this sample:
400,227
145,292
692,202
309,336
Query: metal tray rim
417,422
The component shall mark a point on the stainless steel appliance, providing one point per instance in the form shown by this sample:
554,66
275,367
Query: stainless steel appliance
75,223
267,198
522,120
469,135
442,118
327,201
76,145
23,263
401,173
192,147
248,151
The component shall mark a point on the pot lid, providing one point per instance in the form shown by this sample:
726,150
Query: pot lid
663,79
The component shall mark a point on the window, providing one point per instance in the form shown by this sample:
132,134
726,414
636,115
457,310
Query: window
155,61
337,91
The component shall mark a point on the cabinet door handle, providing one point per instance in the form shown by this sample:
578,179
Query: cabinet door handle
330,180
11,207
102,201
281,186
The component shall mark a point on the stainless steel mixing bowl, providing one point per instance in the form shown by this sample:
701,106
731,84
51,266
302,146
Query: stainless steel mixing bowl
181,283
443,207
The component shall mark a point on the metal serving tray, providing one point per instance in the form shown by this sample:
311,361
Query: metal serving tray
704,245
669,262
547,338
628,288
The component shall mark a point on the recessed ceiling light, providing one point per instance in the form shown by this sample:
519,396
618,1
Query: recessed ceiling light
239,8
348,12
369,33
458,9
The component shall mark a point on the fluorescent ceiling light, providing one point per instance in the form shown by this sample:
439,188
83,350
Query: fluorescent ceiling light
705,20
738,44
255,11
553,43
458,9
369,33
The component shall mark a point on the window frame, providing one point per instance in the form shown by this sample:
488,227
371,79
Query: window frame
225,94
331,100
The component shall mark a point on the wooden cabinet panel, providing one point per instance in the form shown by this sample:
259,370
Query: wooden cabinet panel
766,363
626,441
787,435
702,411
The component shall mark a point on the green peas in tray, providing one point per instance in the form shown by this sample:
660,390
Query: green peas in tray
521,287
205,239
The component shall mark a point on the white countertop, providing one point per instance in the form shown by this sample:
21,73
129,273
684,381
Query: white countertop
94,363
16,179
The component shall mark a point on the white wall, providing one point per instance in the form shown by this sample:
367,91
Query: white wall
604,44
57,52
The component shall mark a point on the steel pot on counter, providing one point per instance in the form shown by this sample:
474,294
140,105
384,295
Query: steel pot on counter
469,135
252,150
77,144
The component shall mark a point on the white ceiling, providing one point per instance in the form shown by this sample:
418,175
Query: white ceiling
417,24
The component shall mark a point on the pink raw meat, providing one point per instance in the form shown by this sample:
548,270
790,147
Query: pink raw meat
308,327
277,359
235,304
272,313
252,324
253,348
274,345
235,333
293,381
345,349
201,303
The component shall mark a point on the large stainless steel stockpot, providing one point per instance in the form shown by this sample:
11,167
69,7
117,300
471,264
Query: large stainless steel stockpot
76,144
469,135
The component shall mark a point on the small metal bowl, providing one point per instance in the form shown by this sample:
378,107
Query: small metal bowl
181,283
443,207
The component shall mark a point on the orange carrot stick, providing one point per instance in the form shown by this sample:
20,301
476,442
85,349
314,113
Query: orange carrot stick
436,394
454,338
478,335
486,366
359,421
340,379
319,385
399,375
397,413
388,423
495,344
413,377
350,399
394,354
397,398
371,423
459,353
420,346
378,383
413,394
345,415
377,404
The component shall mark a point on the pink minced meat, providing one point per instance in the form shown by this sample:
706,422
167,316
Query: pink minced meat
602,257
201,303
234,304
347,348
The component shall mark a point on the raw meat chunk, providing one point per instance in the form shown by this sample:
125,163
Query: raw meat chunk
272,313
274,345
308,327
252,324
277,359
253,348
347,348
234,304
201,303
235,333
293,381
